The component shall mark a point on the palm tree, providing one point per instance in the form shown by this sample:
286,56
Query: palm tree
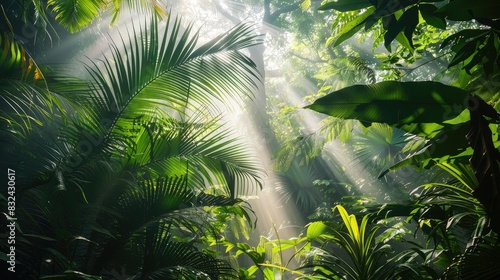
117,174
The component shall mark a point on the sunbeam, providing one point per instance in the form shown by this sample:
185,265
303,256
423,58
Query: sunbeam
244,139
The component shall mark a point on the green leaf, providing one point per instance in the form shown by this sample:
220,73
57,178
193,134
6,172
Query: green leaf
403,40
15,61
394,103
468,50
387,8
449,144
427,130
464,10
430,130
353,26
339,39
350,223
463,36
315,230
345,5
268,273
75,15
427,12
411,24
406,24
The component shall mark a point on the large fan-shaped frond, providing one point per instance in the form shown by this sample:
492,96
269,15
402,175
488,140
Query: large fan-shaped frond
169,259
203,149
166,69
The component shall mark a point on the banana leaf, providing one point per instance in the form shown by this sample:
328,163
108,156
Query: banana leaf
394,103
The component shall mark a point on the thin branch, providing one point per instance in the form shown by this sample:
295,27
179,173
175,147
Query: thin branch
271,17
410,70
314,46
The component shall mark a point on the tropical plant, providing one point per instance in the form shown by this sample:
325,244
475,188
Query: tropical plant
269,259
453,221
364,256
455,205
76,15
447,125
435,112
118,175
297,186
379,146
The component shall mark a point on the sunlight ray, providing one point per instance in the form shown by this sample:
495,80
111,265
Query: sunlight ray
245,139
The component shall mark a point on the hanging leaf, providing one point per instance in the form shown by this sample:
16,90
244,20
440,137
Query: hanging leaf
394,103
486,158
386,8
352,27
345,5
315,230
75,15
463,36
464,10
406,23
448,144
16,62
411,24
427,12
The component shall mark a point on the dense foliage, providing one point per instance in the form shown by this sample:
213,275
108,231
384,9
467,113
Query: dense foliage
127,169
121,173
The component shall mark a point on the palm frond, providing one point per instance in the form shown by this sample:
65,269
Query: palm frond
148,7
75,15
379,146
132,137
336,128
477,262
169,199
35,115
142,208
297,185
169,259
301,150
15,61
166,69
153,199
201,148
360,65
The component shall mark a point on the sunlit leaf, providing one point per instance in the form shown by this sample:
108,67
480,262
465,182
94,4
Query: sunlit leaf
75,14
315,230
345,5
394,103
353,26
427,12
